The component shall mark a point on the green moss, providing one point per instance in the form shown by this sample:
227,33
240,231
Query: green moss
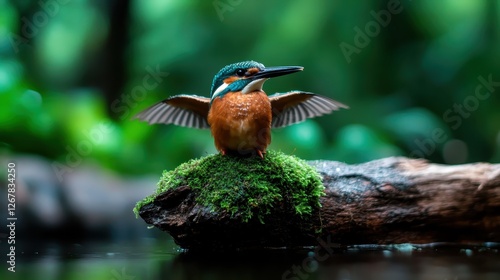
247,187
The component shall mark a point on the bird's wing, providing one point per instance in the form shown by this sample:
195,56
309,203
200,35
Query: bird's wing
296,106
183,110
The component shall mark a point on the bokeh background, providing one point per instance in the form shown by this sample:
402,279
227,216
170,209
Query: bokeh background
422,79
69,66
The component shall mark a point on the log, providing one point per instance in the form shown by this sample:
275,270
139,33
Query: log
387,201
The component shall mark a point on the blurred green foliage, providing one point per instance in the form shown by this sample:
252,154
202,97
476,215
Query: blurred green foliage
72,74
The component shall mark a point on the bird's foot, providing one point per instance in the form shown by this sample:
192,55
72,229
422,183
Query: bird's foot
261,153
246,153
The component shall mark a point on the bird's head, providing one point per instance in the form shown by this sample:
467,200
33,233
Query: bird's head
246,76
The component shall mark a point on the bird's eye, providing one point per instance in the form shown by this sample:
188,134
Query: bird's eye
240,72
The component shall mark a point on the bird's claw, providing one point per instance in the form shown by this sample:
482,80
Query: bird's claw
259,152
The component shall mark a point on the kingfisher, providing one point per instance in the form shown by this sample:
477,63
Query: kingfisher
239,113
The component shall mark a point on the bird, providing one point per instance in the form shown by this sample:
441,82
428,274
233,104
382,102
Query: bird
238,112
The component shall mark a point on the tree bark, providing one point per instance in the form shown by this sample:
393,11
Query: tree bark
387,201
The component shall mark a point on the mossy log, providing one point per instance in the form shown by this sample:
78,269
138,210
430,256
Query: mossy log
387,201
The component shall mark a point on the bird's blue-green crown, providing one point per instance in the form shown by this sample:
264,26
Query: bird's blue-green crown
230,70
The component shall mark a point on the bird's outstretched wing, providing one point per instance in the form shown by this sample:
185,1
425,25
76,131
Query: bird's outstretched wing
183,110
297,106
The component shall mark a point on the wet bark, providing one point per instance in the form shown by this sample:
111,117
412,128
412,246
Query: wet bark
387,201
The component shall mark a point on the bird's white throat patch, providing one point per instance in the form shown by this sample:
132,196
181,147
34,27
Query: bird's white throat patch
254,86
220,89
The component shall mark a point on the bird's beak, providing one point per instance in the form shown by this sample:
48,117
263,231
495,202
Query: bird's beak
270,72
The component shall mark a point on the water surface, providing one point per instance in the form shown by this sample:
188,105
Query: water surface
162,259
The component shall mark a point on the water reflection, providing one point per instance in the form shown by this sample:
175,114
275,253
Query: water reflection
161,259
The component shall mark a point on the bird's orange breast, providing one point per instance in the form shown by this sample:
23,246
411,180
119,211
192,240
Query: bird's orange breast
241,122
